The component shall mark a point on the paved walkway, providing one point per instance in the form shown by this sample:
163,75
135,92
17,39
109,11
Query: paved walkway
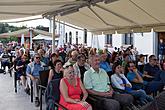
9,100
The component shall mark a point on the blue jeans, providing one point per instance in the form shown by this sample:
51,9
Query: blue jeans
142,96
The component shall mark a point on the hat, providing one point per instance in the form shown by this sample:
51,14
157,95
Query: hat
67,64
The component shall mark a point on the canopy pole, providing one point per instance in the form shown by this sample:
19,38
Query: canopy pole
22,39
53,34
31,38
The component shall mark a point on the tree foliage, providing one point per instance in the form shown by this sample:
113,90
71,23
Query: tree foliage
4,28
43,28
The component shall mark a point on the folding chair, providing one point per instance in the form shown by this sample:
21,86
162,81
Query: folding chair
15,81
43,83
52,95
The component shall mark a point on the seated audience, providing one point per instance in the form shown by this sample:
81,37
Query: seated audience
73,57
121,82
57,71
97,83
32,72
154,75
21,72
135,76
71,89
53,58
105,65
81,66
141,63
5,59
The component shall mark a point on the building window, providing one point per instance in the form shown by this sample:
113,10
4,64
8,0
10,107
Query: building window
76,37
85,36
128,39
108,39
70,37
66,38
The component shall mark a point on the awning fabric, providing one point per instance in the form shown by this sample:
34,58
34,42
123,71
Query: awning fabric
25,31
43,37
98,16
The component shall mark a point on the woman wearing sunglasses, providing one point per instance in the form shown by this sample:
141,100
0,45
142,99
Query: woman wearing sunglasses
71,88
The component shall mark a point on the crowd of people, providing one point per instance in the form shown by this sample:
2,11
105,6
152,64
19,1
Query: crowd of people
88,71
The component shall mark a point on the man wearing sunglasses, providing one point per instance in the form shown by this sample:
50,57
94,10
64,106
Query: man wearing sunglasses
154,75
32,72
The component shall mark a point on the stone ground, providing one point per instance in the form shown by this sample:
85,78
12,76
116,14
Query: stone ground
9,100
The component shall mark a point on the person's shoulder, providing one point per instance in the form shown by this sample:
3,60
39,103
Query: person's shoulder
129,74
30,64
113,76
89,71
147,65
102,70
20,61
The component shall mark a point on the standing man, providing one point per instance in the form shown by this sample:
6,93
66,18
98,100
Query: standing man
97,82
32,72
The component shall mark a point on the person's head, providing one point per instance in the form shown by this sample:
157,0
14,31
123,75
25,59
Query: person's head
114,57
21,52
94,61
131,66
74,55
27,51
54,57
68,70
58,64
152,60
103,55
81,59
41,52
126,57
37,58
141,58
24,57
117,68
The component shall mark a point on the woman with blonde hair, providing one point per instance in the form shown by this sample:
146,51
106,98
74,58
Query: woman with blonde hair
71,88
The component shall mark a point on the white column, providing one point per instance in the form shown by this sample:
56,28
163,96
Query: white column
31,39
53,35
22,39
63,31
95,42
50,26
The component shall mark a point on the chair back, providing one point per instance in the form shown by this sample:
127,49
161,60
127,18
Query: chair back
52,94
44,74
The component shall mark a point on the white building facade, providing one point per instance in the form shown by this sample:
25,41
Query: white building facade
146,43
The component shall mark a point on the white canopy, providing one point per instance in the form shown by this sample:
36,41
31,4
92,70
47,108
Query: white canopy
24,31
107,16
43,37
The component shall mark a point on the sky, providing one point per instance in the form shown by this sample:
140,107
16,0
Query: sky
28,21
33,23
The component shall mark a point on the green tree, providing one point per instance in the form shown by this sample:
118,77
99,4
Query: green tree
4,28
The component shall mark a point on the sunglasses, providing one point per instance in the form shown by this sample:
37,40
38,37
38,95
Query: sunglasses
37,57
71,72
68,66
